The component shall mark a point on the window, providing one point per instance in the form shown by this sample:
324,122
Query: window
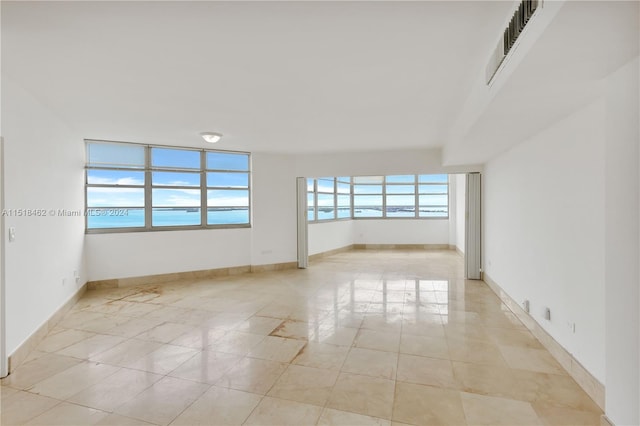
433,199
175,187
326,200
311,200
368,196
227,188
401,196
131,187
343,197
115,186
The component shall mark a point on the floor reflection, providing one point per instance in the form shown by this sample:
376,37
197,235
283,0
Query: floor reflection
363,337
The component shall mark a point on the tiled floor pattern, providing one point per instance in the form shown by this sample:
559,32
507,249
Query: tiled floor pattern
360,338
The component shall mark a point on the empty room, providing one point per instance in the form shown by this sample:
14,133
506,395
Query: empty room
320,213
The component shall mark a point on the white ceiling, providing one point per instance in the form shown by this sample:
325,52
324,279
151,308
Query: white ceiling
303,77
285,76
563,71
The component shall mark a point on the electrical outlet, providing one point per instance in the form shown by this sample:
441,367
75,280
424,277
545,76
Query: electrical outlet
547,314
525,305
76,276
571,326
64,282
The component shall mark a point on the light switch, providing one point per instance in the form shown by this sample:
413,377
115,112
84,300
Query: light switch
12,234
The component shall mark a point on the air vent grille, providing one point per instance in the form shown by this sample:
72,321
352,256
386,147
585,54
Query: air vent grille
518,21
520,18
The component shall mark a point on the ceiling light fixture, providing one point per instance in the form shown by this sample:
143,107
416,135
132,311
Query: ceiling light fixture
211,137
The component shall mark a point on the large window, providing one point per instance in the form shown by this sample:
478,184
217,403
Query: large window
388,197
132,187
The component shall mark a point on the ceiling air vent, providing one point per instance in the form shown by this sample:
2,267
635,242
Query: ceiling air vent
520,18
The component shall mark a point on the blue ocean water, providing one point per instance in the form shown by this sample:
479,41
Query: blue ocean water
131,218
375,212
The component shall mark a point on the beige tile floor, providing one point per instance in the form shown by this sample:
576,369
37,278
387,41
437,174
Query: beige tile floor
359,338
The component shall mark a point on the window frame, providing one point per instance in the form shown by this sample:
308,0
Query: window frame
427,184
350,195
332,195
335,194
381,194
386,192
148,187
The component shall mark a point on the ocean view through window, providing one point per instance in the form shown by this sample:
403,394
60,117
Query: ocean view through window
378,197
133,187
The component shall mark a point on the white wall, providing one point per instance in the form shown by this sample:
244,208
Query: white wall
274,209
44,160
622,247
136,254
401,231
544,235
460,214
332,235
326,236
412,161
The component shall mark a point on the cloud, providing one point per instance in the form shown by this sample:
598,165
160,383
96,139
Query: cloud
111,181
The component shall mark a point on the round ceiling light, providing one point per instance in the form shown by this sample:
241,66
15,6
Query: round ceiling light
211,137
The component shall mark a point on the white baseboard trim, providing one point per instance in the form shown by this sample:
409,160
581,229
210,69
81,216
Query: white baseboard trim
581,375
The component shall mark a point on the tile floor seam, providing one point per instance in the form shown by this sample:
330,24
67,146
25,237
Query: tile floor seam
326,402
398,353
192,402
37,415
131,397
262,397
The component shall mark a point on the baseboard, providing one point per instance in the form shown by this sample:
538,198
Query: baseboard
402,246
457,249
330,252
605,421
274,267
20,354
165,278
584,378
188,275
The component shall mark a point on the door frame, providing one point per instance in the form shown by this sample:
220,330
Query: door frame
4,364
